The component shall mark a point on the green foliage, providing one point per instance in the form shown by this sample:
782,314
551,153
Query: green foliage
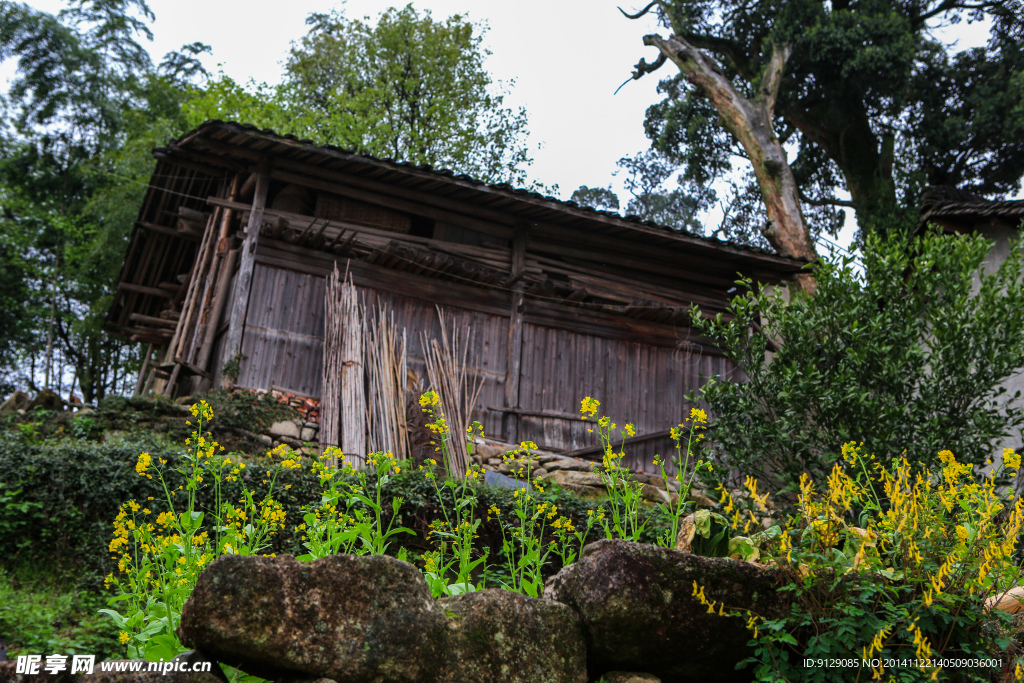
911,582
162,544
600,198
874,102
904,356
50,613
408,88
84,109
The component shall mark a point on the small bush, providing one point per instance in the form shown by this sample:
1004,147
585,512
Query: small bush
893,572
905,356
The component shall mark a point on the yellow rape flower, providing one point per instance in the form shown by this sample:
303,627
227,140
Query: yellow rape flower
143,464
588,407
1011,460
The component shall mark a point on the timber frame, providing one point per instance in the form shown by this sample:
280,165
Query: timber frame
241,226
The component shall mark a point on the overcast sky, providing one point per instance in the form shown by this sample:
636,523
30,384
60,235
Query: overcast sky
562,59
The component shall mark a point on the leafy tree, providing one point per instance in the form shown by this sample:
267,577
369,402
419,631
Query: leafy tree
86,107
906,355
861,91
600,198
408,88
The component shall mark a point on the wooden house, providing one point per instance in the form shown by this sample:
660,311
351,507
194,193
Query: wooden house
226,267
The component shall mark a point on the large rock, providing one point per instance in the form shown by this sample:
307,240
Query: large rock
47,399
570,464
19,400
346,618
497,636
286,428
639,612
584,484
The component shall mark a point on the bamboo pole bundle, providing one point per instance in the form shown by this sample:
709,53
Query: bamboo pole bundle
353,392
330,392
386,371
447,367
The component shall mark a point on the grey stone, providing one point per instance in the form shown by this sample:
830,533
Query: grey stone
46,399
629,677
307,434
584,484
350,619
285,428
497,636
570,464
653,494
649,480
640,614
19,400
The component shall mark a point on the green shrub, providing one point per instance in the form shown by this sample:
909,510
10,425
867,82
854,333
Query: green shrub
44,613
893,574
906,355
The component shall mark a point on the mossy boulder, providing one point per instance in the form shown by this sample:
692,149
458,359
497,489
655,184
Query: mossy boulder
640,614
350,619
503,637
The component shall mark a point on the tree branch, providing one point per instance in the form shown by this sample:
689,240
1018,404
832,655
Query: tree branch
642,12
772,80
825,202
642,68
733,53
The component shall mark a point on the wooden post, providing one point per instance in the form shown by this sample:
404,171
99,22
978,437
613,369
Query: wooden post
243,281
142,373
220,297
510,421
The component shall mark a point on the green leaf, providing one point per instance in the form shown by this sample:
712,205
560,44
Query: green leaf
744,548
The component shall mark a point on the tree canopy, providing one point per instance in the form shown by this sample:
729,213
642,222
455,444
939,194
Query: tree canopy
87,105
85,108
409,88
868,99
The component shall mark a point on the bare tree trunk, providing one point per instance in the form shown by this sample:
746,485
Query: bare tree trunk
750,122
49,336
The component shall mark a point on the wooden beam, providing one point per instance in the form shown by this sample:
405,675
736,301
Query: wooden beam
142,373
510,422
243,281
164,230
593,450
142,289
385,196
482,254
543,413
390,191
159,322
219,300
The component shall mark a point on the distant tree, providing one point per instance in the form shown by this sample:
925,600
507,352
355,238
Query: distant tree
408,88
600,198
862,91
84,110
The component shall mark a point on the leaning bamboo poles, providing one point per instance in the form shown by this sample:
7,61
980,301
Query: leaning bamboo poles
386,372
446,363
343,408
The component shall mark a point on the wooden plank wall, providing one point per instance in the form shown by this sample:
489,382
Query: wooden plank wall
284,331
640,383
487,345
